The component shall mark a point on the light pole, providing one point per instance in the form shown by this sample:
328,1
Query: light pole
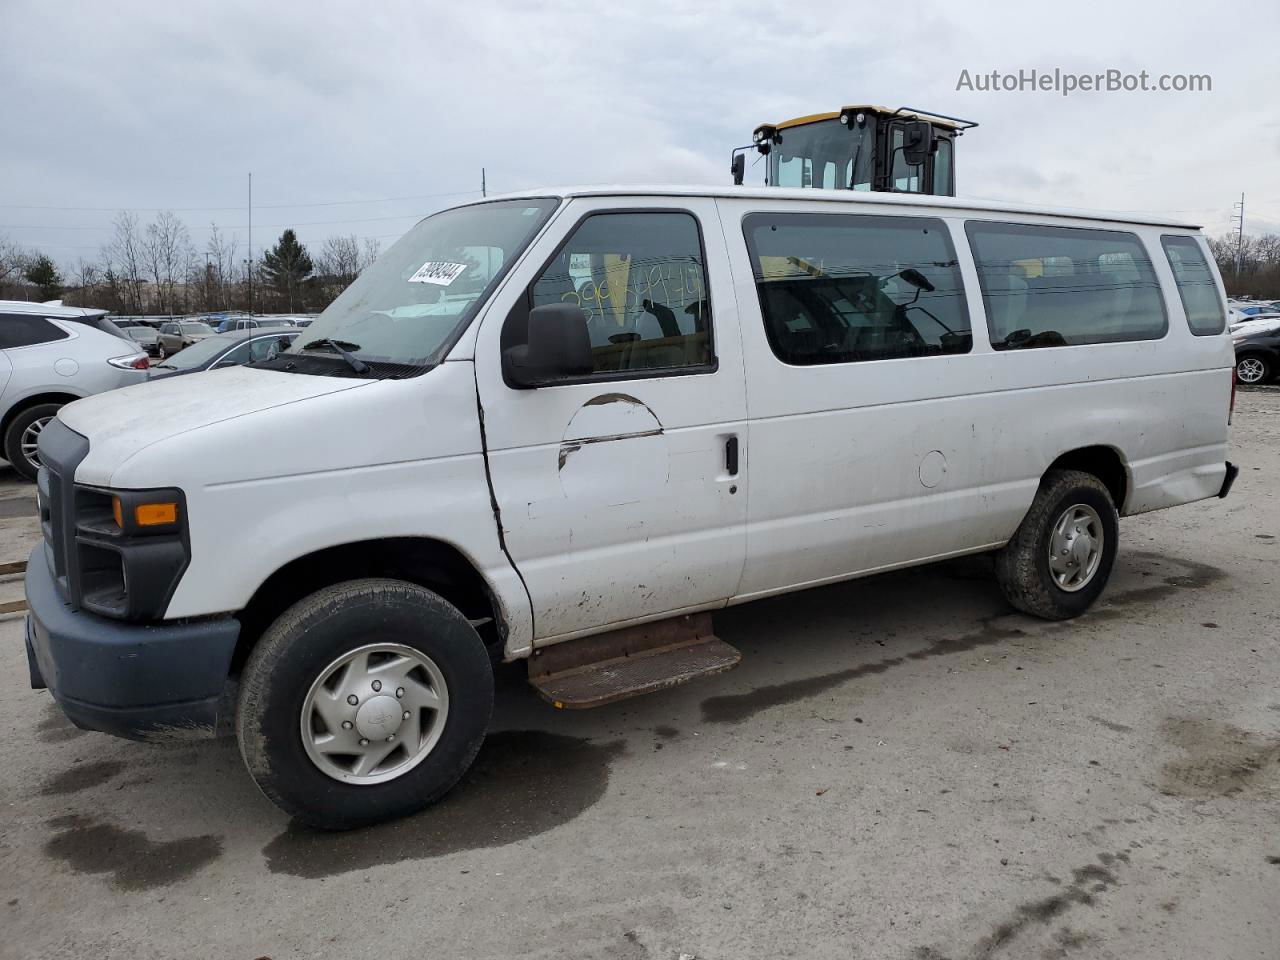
250,260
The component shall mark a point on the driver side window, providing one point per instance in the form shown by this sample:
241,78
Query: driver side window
640,279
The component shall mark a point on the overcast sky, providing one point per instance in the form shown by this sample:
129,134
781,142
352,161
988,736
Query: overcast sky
360,117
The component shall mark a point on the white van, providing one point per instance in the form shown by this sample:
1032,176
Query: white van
565,426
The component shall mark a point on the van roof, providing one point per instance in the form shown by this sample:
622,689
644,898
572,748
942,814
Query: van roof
912,200
49,309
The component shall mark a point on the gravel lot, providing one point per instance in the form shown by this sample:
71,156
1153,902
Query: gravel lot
900,768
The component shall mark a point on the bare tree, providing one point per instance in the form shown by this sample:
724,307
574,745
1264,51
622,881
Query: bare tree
1250,267
372,250
339,260
167,250
223,269
84,281
123,259
12,260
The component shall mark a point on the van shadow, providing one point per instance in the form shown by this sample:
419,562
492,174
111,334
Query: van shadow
540,768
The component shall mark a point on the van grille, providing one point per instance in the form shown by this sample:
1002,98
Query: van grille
61,451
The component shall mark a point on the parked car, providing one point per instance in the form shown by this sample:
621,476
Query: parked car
255,323
1257,354
638,406
1254,309
50,356
1257,321
224,350
176,335
143,334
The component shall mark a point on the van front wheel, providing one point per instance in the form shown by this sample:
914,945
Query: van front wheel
365,701
1060,558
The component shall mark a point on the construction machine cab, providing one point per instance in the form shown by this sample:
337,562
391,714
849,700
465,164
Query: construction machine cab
860,148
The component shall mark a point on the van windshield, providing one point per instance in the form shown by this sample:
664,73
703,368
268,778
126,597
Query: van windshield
405,310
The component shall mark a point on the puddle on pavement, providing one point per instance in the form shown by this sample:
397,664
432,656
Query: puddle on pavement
733,708
1220,759
134,861
523,783
1187,574
81,776
55,727
1193,576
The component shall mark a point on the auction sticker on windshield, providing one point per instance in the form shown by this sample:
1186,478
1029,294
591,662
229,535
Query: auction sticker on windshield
438,271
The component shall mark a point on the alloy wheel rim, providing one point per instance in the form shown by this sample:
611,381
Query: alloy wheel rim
374,713
1075,547
1249,370
29,443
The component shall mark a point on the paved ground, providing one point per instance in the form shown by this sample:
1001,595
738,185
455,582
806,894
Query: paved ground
899,768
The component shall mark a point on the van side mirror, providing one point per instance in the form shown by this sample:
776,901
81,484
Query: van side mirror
558,347
917,141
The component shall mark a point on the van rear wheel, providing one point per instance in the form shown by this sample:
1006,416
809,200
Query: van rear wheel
1060,558
365,701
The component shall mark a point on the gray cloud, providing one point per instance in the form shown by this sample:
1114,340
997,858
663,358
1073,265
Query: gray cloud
154,105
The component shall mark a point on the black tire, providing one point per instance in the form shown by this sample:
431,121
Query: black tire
1267,370
1022,565
306,639
13,436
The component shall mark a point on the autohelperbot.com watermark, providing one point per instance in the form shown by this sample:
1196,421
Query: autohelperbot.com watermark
1065,82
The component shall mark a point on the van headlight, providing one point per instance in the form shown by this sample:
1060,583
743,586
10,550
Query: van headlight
131,550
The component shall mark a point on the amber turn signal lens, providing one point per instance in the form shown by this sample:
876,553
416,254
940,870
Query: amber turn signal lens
155,514
117,512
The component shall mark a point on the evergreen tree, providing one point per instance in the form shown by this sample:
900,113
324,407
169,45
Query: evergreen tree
286,265
44,274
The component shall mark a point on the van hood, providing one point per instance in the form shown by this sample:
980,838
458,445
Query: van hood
120,423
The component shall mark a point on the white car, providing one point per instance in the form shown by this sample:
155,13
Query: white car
566,426
49,356
1257,323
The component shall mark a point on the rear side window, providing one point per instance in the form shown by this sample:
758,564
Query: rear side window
640,278
1049,286
25,330
100,323
1195,284
848,288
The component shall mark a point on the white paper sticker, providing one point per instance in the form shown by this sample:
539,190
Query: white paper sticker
438,271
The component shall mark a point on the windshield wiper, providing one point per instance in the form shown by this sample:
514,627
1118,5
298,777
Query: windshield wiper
341,348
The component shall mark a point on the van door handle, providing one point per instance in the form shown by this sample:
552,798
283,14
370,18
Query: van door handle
731,456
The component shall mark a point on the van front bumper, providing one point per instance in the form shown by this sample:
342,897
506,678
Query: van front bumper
142,681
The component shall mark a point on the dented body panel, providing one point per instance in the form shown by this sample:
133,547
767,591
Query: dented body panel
615,502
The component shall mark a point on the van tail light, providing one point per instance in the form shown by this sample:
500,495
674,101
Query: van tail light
1232,409
139,362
